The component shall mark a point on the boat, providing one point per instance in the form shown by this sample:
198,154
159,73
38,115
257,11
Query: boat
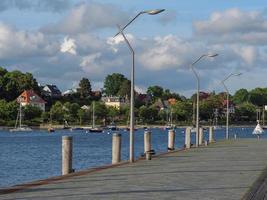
94,129
169,126
128,129
258,130
50,128
112,127
77,129
66,125
20,127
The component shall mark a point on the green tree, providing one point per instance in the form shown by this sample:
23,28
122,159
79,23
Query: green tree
32,112
84,88
113,83
100,111
125,89
148,114
57,112
83,115
182,110
258,96
241,96
155,92
15,82
245,112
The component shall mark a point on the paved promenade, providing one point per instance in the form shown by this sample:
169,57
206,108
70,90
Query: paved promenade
224,170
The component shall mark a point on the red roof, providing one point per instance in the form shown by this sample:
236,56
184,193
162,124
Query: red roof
29,96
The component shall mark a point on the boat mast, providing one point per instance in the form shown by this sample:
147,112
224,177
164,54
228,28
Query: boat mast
171,117
93,114
20,114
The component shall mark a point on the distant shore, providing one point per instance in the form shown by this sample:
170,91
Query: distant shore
46,126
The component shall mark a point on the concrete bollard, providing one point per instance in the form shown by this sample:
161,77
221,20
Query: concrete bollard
211,135
116,148
66,155
188,137
171,140
201,136
147,145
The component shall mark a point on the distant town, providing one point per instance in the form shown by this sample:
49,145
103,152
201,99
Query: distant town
46,104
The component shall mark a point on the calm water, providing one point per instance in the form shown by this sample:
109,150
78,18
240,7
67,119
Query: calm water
31,156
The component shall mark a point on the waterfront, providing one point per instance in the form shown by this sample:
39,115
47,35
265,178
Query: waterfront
31,156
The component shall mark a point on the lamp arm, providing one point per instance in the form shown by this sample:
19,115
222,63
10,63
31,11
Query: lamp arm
121,29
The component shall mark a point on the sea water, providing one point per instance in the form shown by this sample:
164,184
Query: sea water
29,156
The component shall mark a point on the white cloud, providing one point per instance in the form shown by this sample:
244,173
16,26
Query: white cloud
15,43
39,5
88,16
69,46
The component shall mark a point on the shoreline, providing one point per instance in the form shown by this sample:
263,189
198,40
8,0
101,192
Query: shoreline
45,127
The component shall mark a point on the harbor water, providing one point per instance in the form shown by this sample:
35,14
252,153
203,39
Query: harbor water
26,157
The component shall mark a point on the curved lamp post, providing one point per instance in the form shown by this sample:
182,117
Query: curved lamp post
227,102
197,77
150,12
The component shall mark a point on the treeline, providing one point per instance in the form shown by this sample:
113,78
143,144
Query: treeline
156,106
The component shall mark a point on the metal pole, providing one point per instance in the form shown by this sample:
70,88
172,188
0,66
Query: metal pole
227,117
263,116
197,115
131,148
227,110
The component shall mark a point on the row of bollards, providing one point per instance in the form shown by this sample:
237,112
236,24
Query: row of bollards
116,146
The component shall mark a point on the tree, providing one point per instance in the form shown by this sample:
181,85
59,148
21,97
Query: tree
15,82
113,83
84,88
258,96
32,112
245,112
57,112
83,116
148,114
125,89
241,96
182,110
100,110
155,91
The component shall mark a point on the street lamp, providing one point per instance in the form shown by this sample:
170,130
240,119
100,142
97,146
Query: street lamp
197,77
227,102
150,12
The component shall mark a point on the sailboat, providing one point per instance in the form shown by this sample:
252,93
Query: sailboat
95,129
20,127
258,130
50,129
169,125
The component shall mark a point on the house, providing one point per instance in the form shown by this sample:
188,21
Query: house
116,102
69,92
172,101
29,97
231,106
51,90
161,105
85,107
144,98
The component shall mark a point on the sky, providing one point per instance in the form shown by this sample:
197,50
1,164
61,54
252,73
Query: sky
62,41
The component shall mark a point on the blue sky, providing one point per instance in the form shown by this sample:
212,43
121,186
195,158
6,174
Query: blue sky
61,41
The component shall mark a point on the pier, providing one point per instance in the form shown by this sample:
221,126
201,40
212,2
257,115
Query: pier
233,169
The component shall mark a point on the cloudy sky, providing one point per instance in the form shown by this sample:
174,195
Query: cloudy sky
61,41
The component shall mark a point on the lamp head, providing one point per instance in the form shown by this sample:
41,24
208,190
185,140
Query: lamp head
212,55
237,74
153,12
